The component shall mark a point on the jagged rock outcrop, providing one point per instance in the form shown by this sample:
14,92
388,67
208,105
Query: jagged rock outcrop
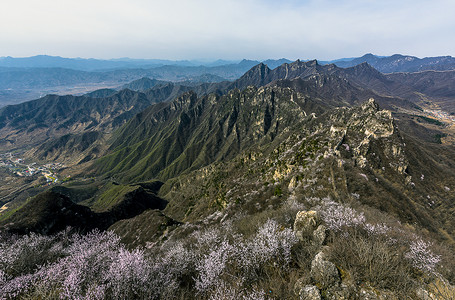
309,229
360,133
320,235
306,223
324,272
339,292
309,292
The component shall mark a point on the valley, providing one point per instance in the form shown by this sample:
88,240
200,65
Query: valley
16,165
10,96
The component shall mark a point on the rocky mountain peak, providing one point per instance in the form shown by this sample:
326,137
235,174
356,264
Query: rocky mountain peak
364,69
370,104
185,101
371,134
256,76
261,70
298,64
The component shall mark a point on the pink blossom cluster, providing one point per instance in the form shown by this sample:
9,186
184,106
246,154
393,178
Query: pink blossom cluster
227,291
421,256
271,243
92,266
376,229
98,266
336,215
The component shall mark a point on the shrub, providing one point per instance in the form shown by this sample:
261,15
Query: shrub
22,255
337,216
375,261
211,266
213,262
240,262
380,255
94,266
421,256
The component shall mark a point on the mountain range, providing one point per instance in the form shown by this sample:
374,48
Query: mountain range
32,77
401,63
91,64
122,137
204,164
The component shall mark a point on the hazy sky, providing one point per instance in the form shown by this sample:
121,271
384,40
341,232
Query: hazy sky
229,29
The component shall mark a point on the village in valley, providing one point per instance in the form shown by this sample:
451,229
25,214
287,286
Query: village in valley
16,165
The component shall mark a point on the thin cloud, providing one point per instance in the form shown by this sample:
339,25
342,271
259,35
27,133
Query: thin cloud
178,29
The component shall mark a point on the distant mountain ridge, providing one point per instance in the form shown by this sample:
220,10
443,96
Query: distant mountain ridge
401,63
32,77
91,64
386,64
27,83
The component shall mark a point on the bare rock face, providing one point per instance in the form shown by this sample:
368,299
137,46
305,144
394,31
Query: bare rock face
341,292
309,292
367,294
320,235
370,124
306,222
324,272
439,288
368,135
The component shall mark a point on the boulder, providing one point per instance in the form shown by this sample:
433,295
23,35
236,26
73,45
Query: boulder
324,272
309,292
369,293
306,223
341,292
320,235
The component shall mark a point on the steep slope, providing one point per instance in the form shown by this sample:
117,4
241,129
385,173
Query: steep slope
52,211
426,93
337,90
435,84
190,132
256,76
71,148
438,85
350,155
31,123
366,76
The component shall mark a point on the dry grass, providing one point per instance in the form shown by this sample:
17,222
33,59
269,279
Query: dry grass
372,260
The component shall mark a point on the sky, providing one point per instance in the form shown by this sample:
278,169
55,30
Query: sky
226,29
